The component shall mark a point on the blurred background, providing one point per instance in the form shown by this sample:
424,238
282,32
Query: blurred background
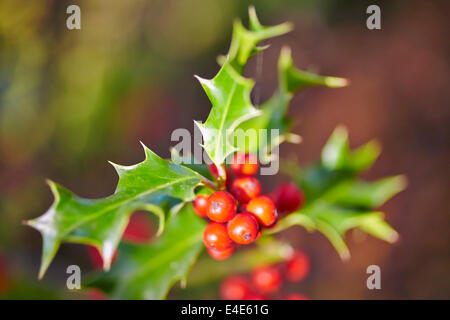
72,99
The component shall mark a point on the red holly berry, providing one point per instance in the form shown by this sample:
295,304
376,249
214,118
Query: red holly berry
266,279
246,188
255,296
215,236
297,268
220,255
235,288
243,228
295,296
263,209
200,205
139,229
244,164
221,206
288,198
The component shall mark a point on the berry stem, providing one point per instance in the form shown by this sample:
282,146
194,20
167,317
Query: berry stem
222,177
209,184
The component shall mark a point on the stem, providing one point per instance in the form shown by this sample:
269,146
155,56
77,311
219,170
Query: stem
209,184
222,176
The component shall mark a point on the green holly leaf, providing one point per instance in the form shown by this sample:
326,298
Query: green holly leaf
338,201
336,154
148,271
101,222
229,92
244,42
274,111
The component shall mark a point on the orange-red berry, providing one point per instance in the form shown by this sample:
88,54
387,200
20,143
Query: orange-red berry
288,198
246,188
297,268
263,209
220,255
221,206
235,288
266,279
215,236
243,228
244,164
200,205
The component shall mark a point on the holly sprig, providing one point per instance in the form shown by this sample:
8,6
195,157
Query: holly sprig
336,199
101,222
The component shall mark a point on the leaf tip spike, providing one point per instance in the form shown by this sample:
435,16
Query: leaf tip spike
345,256
393,237
147,151
253,17
336,82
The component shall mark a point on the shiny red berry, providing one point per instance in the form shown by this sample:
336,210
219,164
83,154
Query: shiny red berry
235,288
221,206
297,268
266,279
244,164
220,255
200,205
215,236
288,198
263,209
295,296
246,188
243,228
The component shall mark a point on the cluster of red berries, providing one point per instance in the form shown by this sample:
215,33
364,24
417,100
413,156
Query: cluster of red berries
266,281
238,215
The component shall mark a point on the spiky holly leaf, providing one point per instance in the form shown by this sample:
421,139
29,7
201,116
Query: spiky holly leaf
101,222
273,116
244,42
229,92
148,271
337,200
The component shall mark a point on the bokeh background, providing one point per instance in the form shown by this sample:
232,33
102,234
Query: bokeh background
70,100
